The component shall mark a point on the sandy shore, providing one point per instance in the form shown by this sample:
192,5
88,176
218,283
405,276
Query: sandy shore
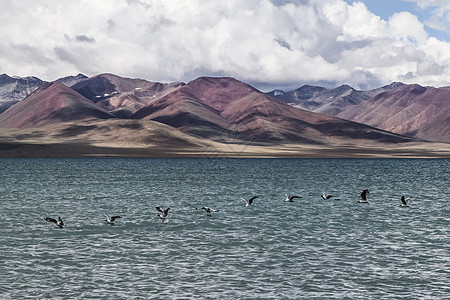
76,150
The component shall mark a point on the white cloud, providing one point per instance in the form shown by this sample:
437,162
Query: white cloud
434,3
268,43
407,28
355,22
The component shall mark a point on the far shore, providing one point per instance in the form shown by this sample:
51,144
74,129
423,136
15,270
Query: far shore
219,150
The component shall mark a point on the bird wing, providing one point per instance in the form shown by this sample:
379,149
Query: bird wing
250,201
252,198
363,195
159,209
329,196
247,203
166,211
113,218
51,220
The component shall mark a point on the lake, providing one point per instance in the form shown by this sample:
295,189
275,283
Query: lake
307,249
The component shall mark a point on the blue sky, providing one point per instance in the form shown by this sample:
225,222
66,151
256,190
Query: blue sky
271,44
386,8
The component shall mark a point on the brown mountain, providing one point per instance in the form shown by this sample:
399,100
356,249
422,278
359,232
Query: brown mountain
227,110
122,96
411,110
51,103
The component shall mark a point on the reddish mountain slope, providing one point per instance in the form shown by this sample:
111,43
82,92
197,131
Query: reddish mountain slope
122,96
226,109
411,110
51,103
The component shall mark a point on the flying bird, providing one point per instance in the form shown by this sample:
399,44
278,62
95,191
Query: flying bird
290,198
163,213
249,201
326,197
110,220
208,210
364,197
58,222
405,201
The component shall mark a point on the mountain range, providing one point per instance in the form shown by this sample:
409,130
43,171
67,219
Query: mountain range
410,110
328,101
218,113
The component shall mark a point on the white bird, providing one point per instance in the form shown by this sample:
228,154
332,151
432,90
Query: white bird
58,222
208,210
405,201
326,197
110,220
249,201
163,213
364,197
290,198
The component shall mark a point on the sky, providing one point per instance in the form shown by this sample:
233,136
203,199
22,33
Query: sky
270,44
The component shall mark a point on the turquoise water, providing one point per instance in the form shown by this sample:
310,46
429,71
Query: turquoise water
308,249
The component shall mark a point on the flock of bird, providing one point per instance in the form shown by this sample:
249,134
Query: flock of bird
164,213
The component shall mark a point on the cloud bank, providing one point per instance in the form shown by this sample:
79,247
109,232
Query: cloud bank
271,44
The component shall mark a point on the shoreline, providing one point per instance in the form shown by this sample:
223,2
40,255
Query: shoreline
217,150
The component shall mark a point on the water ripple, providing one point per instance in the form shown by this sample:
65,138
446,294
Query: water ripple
308,249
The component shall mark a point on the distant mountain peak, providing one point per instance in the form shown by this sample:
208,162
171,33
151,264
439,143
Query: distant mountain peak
343,88
14,89
395,84
218,81
276,93
72,80
6,77
311,87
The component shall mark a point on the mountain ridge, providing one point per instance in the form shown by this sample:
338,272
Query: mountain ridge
329,101
223,111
